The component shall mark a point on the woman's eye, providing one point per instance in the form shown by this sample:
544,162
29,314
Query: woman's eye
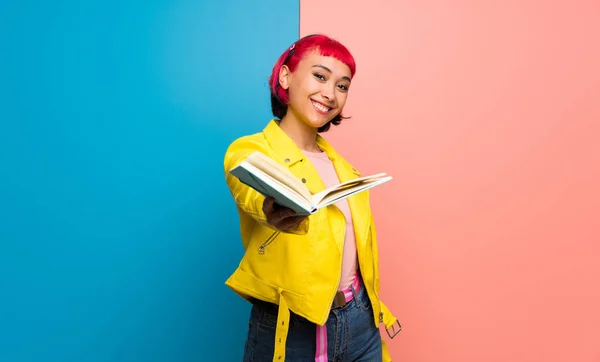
343,87
319,76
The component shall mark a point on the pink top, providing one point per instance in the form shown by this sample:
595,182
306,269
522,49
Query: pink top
327,172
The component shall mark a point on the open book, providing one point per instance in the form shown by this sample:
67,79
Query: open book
272,179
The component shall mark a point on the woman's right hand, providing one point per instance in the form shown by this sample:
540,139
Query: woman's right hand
280,217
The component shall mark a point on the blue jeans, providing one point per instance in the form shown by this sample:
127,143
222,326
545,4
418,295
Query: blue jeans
351,334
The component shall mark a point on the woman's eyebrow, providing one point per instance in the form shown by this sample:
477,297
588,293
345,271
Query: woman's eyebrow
329,71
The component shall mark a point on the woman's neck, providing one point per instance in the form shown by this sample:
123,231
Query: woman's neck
304,136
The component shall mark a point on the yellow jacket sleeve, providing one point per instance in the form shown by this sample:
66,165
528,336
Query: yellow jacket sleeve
246,198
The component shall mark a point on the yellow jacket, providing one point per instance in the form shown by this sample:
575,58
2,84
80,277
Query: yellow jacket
300,269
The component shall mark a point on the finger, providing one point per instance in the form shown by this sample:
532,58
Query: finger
292,222
268,205
297,219
279,216
285,213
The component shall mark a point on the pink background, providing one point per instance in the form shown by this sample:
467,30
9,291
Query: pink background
487,114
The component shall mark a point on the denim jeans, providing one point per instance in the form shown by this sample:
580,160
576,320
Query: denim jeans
351,334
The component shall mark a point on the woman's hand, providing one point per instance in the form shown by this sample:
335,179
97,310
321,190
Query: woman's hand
280,217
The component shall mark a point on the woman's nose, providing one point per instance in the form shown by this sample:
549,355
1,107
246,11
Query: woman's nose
328,93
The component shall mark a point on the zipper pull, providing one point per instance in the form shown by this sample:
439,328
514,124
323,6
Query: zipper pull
261,248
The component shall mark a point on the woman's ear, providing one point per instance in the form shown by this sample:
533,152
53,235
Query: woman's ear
284,77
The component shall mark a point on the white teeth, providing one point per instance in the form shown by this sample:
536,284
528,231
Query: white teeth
320,107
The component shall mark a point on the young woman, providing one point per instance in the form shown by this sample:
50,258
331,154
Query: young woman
313,281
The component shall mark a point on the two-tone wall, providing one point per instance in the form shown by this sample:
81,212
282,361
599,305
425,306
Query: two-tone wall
117,231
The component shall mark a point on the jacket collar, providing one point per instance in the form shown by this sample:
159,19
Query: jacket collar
288,153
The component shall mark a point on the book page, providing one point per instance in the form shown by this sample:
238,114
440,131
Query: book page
318,197
340,194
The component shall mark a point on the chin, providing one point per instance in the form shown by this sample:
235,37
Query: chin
320,121
316,124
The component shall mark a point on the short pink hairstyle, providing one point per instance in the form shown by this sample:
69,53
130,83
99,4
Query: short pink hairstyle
324,46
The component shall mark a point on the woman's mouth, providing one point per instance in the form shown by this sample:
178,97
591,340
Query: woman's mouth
320,107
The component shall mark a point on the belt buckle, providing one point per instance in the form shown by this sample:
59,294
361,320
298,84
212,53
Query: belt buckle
394,331
339,301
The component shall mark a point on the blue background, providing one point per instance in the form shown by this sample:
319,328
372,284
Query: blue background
117,231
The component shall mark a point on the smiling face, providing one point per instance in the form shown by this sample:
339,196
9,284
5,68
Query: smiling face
317,89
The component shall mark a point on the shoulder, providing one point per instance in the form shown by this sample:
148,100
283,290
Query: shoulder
243,147
253,141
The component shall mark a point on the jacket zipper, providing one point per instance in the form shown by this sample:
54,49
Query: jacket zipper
374,276
261,248
373,272
335,289
373,262
374,289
